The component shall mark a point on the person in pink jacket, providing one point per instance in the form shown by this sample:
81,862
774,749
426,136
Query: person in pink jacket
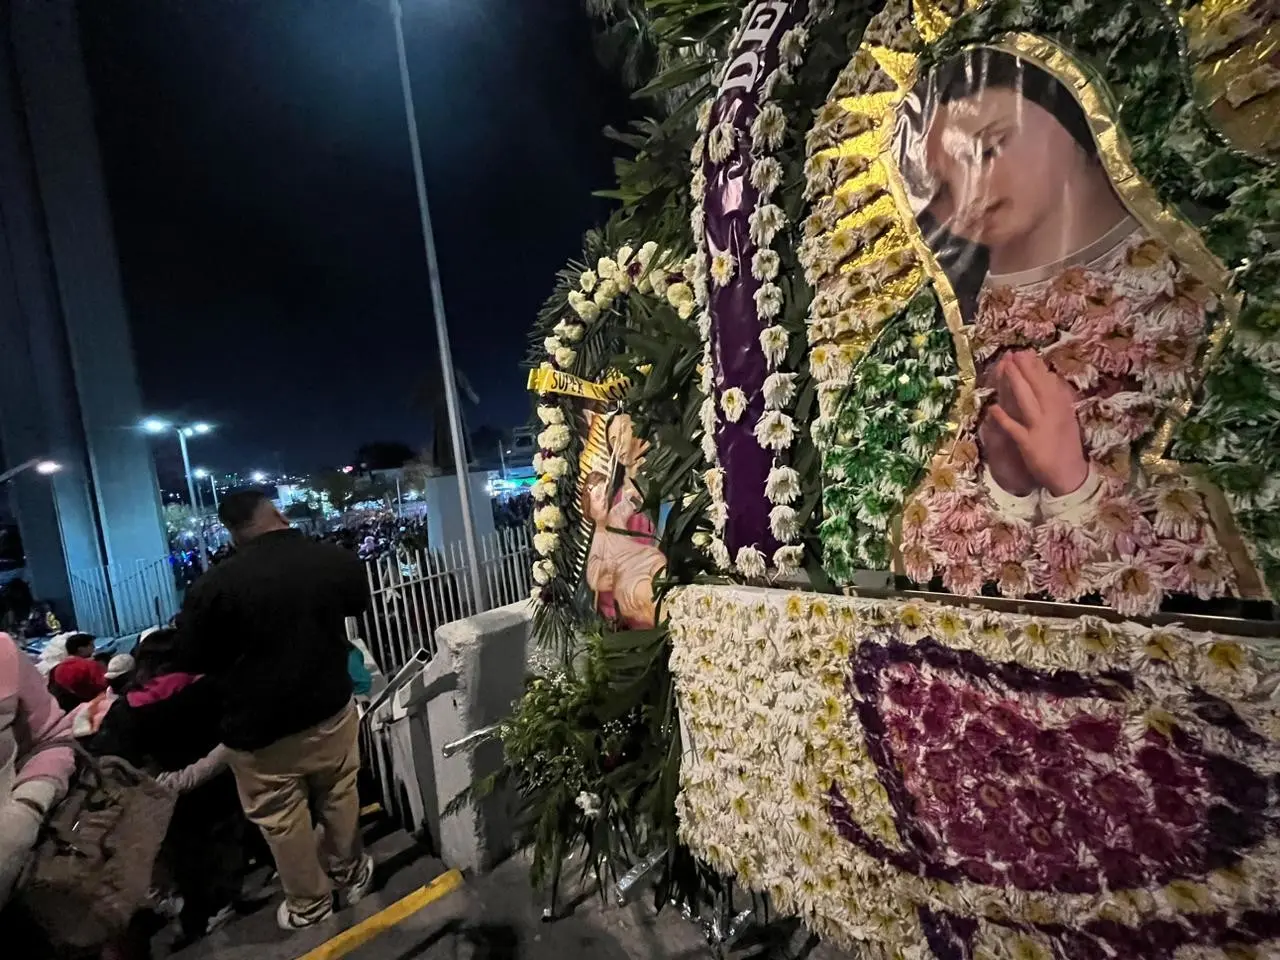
32,780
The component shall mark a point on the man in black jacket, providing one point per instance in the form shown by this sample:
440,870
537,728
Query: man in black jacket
268,625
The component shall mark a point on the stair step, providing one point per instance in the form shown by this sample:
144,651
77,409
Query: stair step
403,868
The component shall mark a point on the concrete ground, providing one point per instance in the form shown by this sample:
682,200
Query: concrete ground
492,917
497,917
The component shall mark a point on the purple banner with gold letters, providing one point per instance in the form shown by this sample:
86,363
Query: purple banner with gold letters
730,199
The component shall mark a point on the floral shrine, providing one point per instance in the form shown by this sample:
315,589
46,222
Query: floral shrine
909,499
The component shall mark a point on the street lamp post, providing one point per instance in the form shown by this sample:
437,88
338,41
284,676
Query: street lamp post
39,464
154,425
437,308
202,474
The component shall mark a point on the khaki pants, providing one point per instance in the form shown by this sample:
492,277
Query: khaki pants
282,784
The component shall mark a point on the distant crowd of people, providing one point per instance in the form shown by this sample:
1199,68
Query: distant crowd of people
240,717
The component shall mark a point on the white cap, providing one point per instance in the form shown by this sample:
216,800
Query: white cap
119,665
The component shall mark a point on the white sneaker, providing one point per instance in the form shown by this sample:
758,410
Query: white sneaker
362,883
286,919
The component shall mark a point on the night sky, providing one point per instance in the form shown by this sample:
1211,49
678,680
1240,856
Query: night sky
260,179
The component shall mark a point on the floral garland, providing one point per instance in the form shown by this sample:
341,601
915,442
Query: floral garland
885,431
729,267
578,313
912,777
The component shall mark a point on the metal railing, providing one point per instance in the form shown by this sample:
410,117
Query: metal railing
115,600
415,591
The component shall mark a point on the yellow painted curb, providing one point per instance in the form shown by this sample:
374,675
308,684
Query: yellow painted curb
382,921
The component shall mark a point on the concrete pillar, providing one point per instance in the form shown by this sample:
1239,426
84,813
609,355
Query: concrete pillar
68,383
444,509
68,168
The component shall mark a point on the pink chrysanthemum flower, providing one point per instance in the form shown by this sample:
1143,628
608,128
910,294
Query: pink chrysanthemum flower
1133,585
1119,526
1061,544
1180,511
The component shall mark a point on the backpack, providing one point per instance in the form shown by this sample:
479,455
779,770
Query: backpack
90,871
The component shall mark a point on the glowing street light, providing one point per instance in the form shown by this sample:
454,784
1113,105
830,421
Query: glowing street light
157,426
202,474
38,464
258,477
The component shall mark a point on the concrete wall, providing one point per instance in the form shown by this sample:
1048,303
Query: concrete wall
473,681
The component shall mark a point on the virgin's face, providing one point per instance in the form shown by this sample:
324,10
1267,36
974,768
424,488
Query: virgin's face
1005,165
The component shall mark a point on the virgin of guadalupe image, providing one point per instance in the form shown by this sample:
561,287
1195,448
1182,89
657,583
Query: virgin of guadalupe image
624,556
1084,331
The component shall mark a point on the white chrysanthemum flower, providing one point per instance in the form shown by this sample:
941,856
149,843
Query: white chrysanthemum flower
704,112
555,467
774,342
734,404
546,543
721,141
719,553
588,281
680,296
765,264
779,390
537,461
770,127
586,310
698,185
750,563
708,444
782,485
791,46
706,374
769,301
542,491
783,523
718,514
550,415
659,281
698,151
707,413
606,293
552,344
704,327
646,253
555,438
544,572
589,804
775,430
788,559
764,224
714,479
766,176
723,267
565,357
624,256
548,518
607,268
569,332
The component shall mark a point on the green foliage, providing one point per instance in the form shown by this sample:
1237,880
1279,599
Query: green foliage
887,427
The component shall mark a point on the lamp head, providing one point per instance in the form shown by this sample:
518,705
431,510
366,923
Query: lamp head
47,467
156,425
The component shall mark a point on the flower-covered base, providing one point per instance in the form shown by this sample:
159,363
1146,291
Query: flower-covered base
917,777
